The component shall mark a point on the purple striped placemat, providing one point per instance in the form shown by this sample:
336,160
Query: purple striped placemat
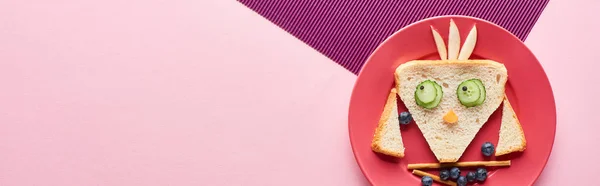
347,31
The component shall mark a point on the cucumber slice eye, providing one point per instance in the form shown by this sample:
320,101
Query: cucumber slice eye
428,94
471,93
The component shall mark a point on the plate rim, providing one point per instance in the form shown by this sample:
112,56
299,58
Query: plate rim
384,42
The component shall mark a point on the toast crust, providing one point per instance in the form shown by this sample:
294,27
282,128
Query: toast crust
448,160
523,144
379,131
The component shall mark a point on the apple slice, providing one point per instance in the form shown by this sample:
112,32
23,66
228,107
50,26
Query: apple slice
439,43
467,48
453,41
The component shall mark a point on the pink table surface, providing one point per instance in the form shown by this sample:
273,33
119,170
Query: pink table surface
184,92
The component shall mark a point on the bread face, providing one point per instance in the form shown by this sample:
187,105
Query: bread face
511,136
387,138
449,141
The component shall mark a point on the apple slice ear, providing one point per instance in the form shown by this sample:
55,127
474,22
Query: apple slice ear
469,45
453,41
439,43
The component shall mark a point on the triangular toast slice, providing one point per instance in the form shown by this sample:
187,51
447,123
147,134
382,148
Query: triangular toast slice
387,138
512,137
448,141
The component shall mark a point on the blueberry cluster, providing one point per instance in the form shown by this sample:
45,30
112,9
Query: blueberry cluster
480,175
454,174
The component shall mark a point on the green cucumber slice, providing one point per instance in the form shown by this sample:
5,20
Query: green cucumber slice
425,92
438,98
436,92
468,93
482,91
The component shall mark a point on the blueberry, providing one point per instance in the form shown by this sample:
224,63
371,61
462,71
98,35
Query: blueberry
454,173
405,118
444,174
471,176
487,149
481,174
426,181
461,181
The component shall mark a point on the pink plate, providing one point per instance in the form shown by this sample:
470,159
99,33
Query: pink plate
527,89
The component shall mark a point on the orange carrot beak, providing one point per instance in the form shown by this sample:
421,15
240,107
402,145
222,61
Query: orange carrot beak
451,117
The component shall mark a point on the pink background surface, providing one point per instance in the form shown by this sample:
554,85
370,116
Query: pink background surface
185,92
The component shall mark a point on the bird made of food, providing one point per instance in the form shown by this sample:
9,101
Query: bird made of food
452,98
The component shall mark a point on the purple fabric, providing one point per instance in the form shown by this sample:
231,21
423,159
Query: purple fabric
347,31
